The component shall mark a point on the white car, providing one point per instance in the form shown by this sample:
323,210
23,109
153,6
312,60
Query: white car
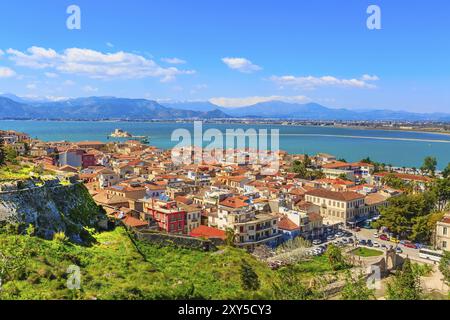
376,235
376,245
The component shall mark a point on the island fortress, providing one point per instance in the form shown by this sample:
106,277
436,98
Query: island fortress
119,133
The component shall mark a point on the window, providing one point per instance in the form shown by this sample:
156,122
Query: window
444,231
444,244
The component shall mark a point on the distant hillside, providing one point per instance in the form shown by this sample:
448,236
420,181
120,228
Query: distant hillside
95,108
314,111
12,109
203,106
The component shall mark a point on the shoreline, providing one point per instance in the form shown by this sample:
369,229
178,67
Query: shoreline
246,122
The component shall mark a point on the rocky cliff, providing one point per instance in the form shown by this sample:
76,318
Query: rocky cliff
50,207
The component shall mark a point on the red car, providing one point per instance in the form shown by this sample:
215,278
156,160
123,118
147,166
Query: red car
384,237
410,245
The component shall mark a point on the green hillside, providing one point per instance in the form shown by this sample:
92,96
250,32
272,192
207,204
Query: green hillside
115,267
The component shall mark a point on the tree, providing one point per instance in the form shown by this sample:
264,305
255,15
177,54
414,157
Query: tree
299,167
446,171
2,152
405,285
230,237
408,215
290,287
355,288
392,181
335,258
249,278
307,161
10,154
429,166
441,189
367,160
444,267
27,148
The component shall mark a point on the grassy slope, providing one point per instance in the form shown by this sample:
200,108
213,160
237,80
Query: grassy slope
115,269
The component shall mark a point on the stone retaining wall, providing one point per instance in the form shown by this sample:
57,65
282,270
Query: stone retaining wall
164,239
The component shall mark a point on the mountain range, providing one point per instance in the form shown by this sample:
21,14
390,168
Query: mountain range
96,108
310,111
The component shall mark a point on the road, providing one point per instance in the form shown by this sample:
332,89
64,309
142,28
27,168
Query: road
368,234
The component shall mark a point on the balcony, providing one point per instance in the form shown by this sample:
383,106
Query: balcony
260,240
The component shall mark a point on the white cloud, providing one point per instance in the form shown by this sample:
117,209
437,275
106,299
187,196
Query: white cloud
311,82
6,72
69,83
241,65
247,101
51,75
368,77
109,44
173,60
31,86
90,89
2,52
94,64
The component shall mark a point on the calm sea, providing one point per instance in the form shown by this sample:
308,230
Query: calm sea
391,147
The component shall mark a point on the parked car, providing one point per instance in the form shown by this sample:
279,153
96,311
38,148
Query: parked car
409,244
339,234
350,240
376,245
398,250
384,237
369,243
316,242
394,239
330,237
363,242
357,229
376,235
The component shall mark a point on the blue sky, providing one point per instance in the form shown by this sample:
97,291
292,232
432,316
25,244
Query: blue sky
232,52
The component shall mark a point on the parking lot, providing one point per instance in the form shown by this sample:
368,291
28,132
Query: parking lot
363,237
339,237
